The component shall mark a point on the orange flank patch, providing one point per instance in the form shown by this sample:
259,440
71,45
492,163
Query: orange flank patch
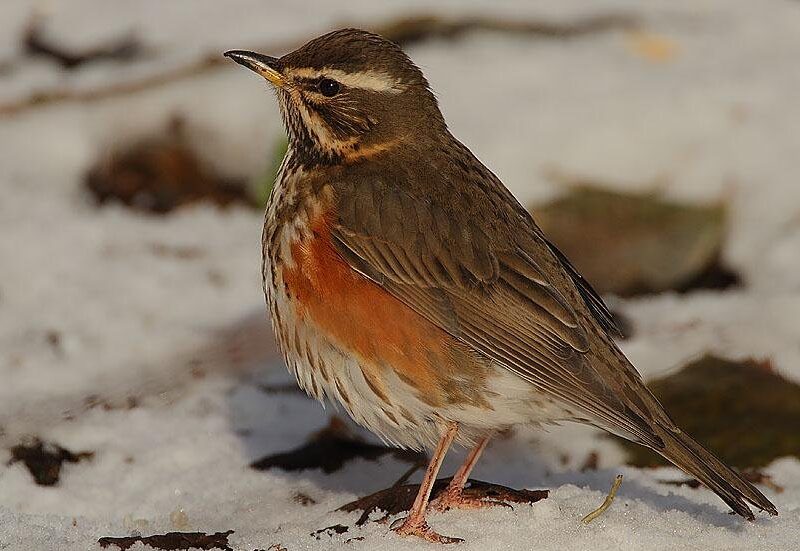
362,318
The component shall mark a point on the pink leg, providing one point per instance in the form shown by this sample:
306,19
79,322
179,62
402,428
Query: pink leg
414,524
453,496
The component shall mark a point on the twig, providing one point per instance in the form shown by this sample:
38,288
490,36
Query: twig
606,502
36,43
41,98
404,31
425,27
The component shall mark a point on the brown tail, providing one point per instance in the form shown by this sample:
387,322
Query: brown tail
693,458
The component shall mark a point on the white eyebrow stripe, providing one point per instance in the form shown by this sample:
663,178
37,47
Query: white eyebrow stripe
375,81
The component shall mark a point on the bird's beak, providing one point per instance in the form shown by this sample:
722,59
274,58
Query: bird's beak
264,65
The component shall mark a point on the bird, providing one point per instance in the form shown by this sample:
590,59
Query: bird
405,281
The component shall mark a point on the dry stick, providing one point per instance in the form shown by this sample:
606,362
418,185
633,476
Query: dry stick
606,502
36,43
404,31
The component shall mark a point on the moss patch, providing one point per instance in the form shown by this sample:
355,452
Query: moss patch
630,244
742,411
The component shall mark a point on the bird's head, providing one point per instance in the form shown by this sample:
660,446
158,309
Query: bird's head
347,95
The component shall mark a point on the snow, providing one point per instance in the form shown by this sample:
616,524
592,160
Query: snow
700,103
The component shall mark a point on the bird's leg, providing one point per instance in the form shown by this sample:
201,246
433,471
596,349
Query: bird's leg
453,496
414,524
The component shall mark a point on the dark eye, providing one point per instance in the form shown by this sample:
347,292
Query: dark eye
328,87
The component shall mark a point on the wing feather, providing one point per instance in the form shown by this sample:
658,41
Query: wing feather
487,276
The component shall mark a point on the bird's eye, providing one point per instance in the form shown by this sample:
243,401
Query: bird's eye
328,87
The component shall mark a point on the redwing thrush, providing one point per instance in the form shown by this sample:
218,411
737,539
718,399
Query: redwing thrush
405,281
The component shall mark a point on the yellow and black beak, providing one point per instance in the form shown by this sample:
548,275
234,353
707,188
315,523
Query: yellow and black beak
266,66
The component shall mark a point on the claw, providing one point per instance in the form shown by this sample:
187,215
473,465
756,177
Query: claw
419,528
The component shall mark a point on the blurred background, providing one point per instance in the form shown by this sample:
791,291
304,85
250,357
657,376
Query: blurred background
657,144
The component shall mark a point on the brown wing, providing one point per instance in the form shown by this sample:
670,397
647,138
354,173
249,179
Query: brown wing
476,265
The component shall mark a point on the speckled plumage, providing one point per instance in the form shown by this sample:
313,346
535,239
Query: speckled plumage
407,283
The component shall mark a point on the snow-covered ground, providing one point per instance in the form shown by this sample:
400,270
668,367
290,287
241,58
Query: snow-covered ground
699,102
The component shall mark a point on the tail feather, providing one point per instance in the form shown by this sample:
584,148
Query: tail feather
693,458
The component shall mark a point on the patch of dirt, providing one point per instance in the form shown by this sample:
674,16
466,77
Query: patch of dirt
330,448
330,531
173,541
632,244
716,276
591,462
160,174
44,460
743,411
400,497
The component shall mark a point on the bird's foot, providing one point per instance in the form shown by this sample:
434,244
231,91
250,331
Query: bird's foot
455,499
411,526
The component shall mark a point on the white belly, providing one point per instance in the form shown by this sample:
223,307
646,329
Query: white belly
323,370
